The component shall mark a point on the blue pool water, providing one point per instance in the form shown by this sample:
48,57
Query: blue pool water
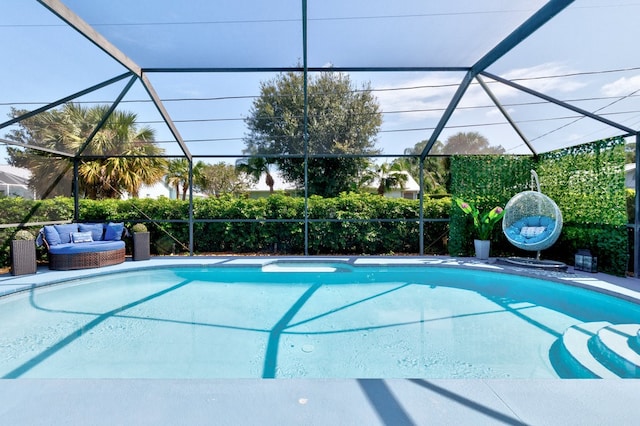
295,320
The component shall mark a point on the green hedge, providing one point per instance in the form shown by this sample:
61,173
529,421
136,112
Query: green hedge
231,235
587,183
19,210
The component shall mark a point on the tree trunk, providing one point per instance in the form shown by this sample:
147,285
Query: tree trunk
270,182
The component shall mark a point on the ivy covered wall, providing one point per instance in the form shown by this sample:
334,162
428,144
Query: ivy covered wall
586,182
486,181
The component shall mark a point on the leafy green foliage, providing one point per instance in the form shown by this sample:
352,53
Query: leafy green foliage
219,226
71,129
23,234
139,227
587,183
468,143
486,181
341,120
483,222
19,210
630,195
436,173
221,178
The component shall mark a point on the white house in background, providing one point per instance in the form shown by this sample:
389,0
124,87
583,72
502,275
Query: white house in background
158,190
630,176
14,182
410,190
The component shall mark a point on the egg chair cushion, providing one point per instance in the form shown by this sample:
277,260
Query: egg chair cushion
532,221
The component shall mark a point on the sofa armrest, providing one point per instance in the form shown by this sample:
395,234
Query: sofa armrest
41,240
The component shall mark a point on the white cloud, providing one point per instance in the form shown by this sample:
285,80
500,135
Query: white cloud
622,86
431,93
532,78
435,91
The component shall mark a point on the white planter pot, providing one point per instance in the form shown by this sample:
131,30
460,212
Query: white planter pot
482,248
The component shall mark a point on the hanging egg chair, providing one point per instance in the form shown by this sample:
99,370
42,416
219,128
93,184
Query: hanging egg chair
532,221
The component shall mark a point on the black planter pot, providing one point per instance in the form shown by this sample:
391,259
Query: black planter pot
141,246
23,257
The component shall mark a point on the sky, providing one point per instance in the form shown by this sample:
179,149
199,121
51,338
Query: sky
586,56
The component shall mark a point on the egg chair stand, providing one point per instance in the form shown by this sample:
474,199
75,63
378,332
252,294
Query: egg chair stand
532,222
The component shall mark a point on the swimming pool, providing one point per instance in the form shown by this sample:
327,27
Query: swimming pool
296,319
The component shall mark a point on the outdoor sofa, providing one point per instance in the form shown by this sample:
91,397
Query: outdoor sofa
83,245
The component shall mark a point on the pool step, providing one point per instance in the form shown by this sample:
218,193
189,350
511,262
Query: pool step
602,350
576,354
617,345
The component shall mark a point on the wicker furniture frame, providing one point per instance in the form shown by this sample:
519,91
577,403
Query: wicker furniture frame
23,257
141,246
86,260
532,204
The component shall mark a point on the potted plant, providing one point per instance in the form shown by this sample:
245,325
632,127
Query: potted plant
23,253
141,242
483,223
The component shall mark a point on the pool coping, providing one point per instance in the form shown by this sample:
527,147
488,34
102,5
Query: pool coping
624,287
372,402
321,401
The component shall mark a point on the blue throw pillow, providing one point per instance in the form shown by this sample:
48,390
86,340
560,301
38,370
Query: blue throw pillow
113,231
65,232
81,237
96,229
545,221
51,235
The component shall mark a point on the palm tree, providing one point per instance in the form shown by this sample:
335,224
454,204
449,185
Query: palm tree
136,171
67,130
390,176
254,167
178,175
197,174
140,164
435,172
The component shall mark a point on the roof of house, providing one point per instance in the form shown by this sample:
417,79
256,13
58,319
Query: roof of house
10,175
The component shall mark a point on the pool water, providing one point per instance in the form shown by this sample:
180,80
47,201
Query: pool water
338,322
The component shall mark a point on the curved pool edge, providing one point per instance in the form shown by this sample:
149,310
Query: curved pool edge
622,287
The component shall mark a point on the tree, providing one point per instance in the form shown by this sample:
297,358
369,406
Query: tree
254,167
221,178
178,175
630,153
470,143
436,169
67,130
341,121
390,176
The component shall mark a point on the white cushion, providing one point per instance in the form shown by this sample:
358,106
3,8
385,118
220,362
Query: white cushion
81,237
532,231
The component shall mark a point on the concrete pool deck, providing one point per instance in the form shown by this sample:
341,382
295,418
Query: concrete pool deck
315,401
